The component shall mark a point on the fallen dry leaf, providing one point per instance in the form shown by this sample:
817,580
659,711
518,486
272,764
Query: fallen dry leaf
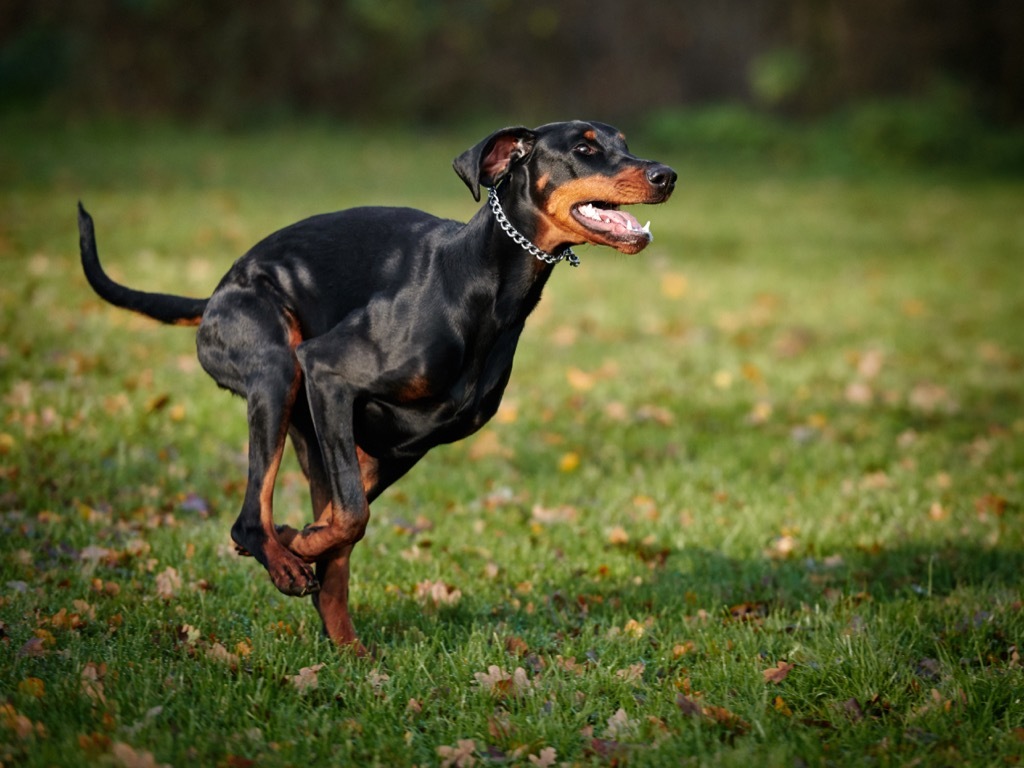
128,757
618,536
569,462
691,707
34,647
307,679
673,285
778,673
501,684
168,583
437,593
551,515
487,443
92,682
32,686
631,674
459,756
546,759
620,725
219,653
580,380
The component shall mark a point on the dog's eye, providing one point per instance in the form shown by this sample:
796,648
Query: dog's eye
584,149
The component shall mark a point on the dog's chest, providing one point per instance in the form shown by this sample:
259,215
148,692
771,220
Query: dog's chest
411,428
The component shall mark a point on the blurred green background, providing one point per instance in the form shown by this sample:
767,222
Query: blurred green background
890,81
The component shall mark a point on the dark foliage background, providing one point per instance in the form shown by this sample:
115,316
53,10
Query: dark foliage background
444,60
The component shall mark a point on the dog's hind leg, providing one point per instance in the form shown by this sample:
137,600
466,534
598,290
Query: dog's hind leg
267,374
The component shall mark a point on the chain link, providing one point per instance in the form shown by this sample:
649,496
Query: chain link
521,241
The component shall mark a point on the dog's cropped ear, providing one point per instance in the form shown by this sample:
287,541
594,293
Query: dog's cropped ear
489,161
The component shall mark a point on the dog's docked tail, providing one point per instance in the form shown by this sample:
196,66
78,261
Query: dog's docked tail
175,310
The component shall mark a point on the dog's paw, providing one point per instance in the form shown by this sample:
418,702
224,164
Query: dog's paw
293,577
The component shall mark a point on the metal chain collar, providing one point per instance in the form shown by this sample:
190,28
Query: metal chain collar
521,241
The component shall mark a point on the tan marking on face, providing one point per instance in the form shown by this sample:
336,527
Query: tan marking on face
590,136
558,225
542,182
622,136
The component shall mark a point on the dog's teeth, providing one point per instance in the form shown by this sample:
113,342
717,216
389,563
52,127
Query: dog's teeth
646,228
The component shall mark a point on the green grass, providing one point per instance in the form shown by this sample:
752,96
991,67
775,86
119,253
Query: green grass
790,431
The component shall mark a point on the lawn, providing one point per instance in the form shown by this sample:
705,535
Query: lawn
754,496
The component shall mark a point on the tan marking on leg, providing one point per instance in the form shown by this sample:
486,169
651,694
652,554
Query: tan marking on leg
289,574
332,601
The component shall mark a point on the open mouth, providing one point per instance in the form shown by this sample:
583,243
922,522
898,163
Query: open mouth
612,225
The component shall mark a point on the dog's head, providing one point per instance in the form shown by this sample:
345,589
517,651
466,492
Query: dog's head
567,182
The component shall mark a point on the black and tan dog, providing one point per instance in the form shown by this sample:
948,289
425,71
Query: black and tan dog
371,335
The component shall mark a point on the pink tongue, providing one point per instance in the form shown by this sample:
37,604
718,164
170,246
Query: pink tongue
620,219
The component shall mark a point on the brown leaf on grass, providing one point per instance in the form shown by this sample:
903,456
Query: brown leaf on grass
92,682
486,444
781,707
219,653
516,646
128,757
546,759
570,665
752,612
34,647
781,547
168,583
499,726
460,756
732,722
33,687
502,684
580,380
778,673
688,706
377,679
618,536
21,726
929,398
437,593
859,393
727,719
607,750
307,679
620,725
990,503
94,554
632,674
551,515
64,619
682,649
656,413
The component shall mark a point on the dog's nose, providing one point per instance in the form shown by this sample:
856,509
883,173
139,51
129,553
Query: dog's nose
661,176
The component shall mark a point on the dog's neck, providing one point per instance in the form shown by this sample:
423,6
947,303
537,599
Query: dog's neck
522,241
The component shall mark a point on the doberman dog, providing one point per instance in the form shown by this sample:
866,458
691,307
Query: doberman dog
373,334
